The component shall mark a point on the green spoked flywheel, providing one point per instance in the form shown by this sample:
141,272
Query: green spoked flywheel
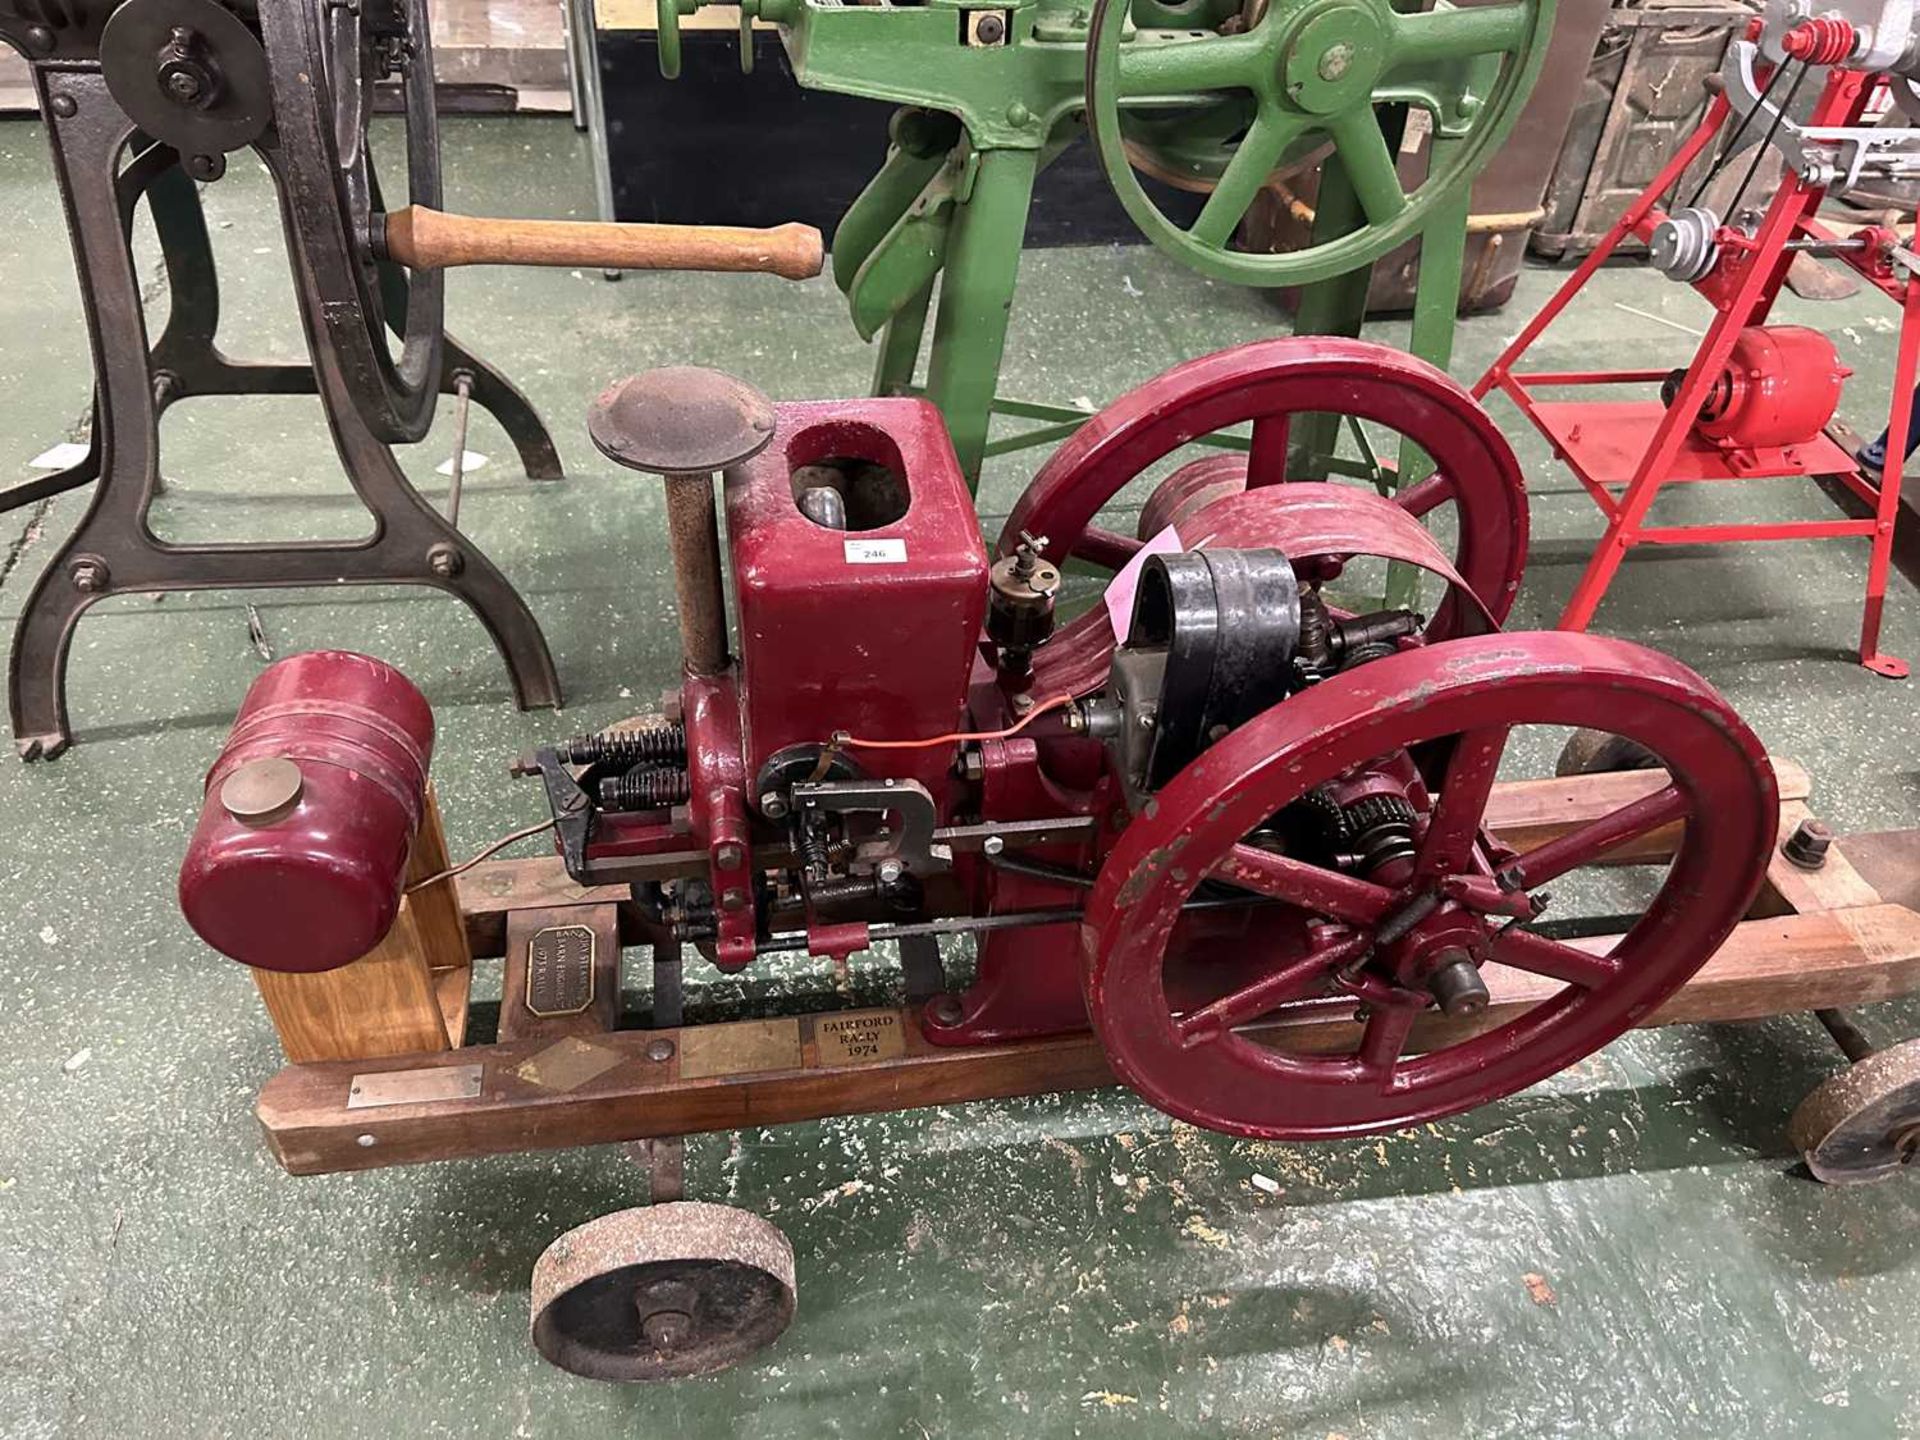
1315,72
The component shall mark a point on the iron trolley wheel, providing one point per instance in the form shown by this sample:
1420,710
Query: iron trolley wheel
326,61
1863,1124
1449,708
1316,68
1269,383
661,1292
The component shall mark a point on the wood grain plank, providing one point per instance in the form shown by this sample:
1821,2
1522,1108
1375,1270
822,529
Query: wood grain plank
532,1097
383,1004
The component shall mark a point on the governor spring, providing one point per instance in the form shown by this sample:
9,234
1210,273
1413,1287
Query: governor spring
645,790
651,745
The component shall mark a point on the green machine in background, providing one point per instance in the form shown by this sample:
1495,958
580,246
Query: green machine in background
1211,94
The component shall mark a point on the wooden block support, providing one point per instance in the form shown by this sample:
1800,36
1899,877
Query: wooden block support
385,1003
562,972
408,994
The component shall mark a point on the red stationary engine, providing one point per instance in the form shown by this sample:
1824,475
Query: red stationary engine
1224,789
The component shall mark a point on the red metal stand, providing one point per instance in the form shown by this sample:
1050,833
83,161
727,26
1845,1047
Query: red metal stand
1637,446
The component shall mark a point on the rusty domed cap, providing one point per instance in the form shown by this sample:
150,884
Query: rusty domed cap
681,420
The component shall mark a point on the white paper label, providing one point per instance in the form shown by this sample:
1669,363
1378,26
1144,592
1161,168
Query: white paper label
470,461
63,456
876,552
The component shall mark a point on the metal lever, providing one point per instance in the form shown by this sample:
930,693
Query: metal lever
426,239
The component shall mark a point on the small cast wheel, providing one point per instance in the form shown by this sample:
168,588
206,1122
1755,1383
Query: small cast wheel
1864,1123
1600,752
662,1291
1270,383
1410,898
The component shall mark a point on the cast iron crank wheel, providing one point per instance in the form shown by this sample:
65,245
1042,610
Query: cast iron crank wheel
1317,68
326,60
1451,707
1268,382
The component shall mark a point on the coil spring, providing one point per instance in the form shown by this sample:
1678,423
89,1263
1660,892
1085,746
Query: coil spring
815,854
1824,41
651,745
645,790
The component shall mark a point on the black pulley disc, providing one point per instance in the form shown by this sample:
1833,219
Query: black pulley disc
189,73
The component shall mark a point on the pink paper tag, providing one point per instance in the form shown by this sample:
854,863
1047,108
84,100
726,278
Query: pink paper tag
1119,596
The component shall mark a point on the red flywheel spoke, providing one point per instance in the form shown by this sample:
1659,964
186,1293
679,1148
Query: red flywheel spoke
1524,950
1300,980
1594,841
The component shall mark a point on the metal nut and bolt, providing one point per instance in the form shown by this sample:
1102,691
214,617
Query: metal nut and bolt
667,1329
1807,846
946,1010
659,1050
89,575
890,872
65,106
773,805
993,844
733,901
729,856
445,560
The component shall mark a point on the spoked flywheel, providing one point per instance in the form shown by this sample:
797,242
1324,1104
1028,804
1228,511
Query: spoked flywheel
1270,383
1315,71
327,60
1355,808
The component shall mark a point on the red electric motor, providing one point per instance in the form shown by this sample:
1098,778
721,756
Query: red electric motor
300,855
1780,386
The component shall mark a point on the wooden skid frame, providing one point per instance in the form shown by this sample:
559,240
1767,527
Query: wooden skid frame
1815,939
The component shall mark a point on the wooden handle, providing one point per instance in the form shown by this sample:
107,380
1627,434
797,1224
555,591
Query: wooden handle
428,240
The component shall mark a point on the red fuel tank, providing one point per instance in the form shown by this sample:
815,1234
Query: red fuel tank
300,855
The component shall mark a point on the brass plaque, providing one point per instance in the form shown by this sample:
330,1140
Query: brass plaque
740,1047
858,1037
413,1087
568,1064
560,970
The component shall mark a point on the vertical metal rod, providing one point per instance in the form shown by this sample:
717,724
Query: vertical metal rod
576,21
693,534
1845,1034
463,389
592,93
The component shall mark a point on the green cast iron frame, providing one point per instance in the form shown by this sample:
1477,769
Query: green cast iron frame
1223,96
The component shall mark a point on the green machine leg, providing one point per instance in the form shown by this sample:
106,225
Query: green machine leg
900,345
976,297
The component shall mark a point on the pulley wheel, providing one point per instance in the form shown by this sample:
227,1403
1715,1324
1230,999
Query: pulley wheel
189,73
1269,383
1314,71
1174,1017
661,1292
1864,1123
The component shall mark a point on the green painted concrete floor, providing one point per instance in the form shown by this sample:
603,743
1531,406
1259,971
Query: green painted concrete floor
1622,1251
